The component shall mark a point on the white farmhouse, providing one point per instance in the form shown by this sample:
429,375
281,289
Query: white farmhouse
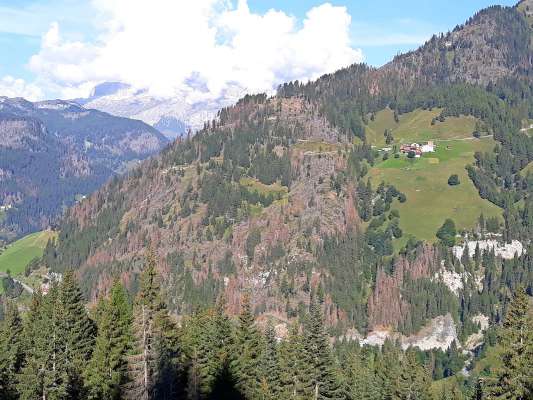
429,147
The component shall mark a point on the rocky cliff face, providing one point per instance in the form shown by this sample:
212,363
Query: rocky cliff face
438,333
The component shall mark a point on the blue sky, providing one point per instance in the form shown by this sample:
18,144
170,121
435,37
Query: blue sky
380,28
23,22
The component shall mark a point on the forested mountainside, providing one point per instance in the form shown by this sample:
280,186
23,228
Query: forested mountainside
53,151
269,253
275,197
491,50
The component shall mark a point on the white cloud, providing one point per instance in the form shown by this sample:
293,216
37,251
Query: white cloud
12,87
173,47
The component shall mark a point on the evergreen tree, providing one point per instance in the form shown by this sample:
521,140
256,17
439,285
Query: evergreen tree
387,369
413,380
11,351
45,372
248,353
78,331
271,370
447,232
221,382
205,341
478,391
360,378
514,379
152,368
106,370
295,374
326,383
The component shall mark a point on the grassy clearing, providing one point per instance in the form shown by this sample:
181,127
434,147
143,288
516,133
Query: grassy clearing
416,126
18,254
430,200
255,185
279,192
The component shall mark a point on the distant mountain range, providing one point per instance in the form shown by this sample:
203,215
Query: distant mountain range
53,151
173,116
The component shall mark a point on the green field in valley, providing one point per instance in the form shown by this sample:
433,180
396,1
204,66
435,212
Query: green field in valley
18,254
416,126
430,200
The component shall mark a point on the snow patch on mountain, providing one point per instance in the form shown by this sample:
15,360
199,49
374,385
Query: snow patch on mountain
172,116
57,105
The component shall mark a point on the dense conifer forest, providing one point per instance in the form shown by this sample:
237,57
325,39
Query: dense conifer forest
122,348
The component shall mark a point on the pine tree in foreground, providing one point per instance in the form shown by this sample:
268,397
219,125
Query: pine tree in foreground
413,380
387,369
360,378
514,379
107,368
79,331
248,353
152,372
45,371
270,384
326,383
292,370
10,351
198,341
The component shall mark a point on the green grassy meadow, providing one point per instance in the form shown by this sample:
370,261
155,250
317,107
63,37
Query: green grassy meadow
416,126
253,184
430,200
18,254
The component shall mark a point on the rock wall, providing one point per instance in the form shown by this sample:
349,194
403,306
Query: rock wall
439,333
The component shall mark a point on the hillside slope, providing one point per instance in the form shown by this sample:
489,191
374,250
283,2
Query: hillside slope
52,151
274,196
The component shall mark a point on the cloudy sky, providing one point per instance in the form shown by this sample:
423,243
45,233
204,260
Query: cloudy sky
200,48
